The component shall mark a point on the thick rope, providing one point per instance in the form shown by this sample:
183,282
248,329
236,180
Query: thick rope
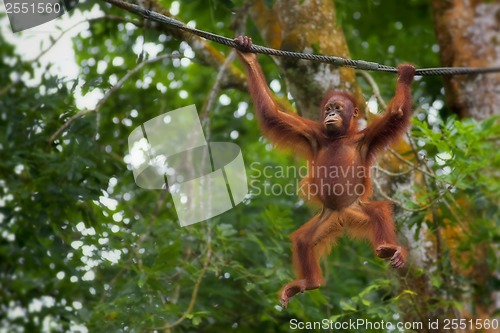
337,61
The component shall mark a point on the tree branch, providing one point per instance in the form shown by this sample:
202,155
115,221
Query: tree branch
204,51
109,93
166,328
376,91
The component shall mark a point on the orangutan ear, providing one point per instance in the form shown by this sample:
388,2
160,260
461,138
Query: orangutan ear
355,113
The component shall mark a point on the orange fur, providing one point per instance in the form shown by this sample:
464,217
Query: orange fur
339,158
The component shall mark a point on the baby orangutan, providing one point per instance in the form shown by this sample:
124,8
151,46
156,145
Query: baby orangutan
334,143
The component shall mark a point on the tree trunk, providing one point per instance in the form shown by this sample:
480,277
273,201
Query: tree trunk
468,36
307,26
